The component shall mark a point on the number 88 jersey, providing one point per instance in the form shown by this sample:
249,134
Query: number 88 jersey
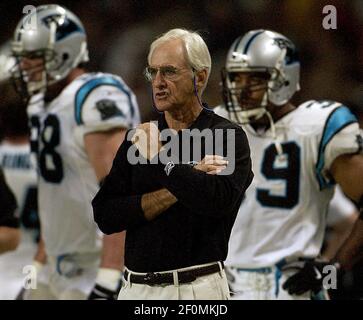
284,212
67,181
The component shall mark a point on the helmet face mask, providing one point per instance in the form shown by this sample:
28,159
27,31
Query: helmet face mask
245,95
59,41
270,62
29,74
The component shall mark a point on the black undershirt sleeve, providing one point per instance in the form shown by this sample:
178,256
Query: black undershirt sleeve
206,194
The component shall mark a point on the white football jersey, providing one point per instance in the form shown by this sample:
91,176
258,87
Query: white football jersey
93,102
19,171
284,211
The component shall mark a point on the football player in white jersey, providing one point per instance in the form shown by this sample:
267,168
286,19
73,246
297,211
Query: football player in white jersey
15,159
78,120
21,176
298,154
19,169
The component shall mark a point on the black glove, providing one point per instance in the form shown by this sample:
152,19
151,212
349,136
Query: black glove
309,277
102,293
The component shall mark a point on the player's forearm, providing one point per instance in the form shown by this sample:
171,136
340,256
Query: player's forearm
101,148
334,242
113,251
352,250
347,171
41,255
340,232
154,203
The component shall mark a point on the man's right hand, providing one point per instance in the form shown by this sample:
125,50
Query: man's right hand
212,164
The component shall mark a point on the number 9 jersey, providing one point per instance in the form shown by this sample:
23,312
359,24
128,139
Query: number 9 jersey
93,102
284,212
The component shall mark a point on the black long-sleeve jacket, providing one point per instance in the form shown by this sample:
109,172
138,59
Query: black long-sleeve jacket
196,229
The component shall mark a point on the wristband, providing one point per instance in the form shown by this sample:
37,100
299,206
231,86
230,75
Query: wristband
38,266
108,278
32,279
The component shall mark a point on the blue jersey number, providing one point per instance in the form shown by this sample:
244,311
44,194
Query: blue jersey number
50,162
285,167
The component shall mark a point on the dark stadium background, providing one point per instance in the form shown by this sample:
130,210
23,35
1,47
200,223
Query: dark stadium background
119,33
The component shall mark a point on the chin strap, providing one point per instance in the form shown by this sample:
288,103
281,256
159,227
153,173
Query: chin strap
277,143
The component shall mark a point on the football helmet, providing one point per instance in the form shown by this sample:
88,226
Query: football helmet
56,37
269,54
7,61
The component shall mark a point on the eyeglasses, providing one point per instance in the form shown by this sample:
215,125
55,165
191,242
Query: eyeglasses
167,72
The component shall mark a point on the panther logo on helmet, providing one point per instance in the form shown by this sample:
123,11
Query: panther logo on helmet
291,53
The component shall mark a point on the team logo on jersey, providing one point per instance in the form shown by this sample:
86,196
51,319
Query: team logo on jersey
108,109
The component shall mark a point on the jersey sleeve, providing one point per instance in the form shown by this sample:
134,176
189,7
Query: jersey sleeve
104,103
340,135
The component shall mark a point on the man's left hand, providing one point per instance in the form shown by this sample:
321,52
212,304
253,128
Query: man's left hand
108,285
147,140
101,293
309,277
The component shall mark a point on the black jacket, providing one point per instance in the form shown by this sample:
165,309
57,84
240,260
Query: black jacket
196,229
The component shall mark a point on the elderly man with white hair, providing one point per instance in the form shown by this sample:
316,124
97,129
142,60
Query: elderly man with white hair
178,207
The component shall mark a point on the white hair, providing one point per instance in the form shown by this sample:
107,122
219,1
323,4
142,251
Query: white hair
197,51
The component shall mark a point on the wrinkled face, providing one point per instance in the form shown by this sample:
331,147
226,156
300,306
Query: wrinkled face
171,76
248,88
